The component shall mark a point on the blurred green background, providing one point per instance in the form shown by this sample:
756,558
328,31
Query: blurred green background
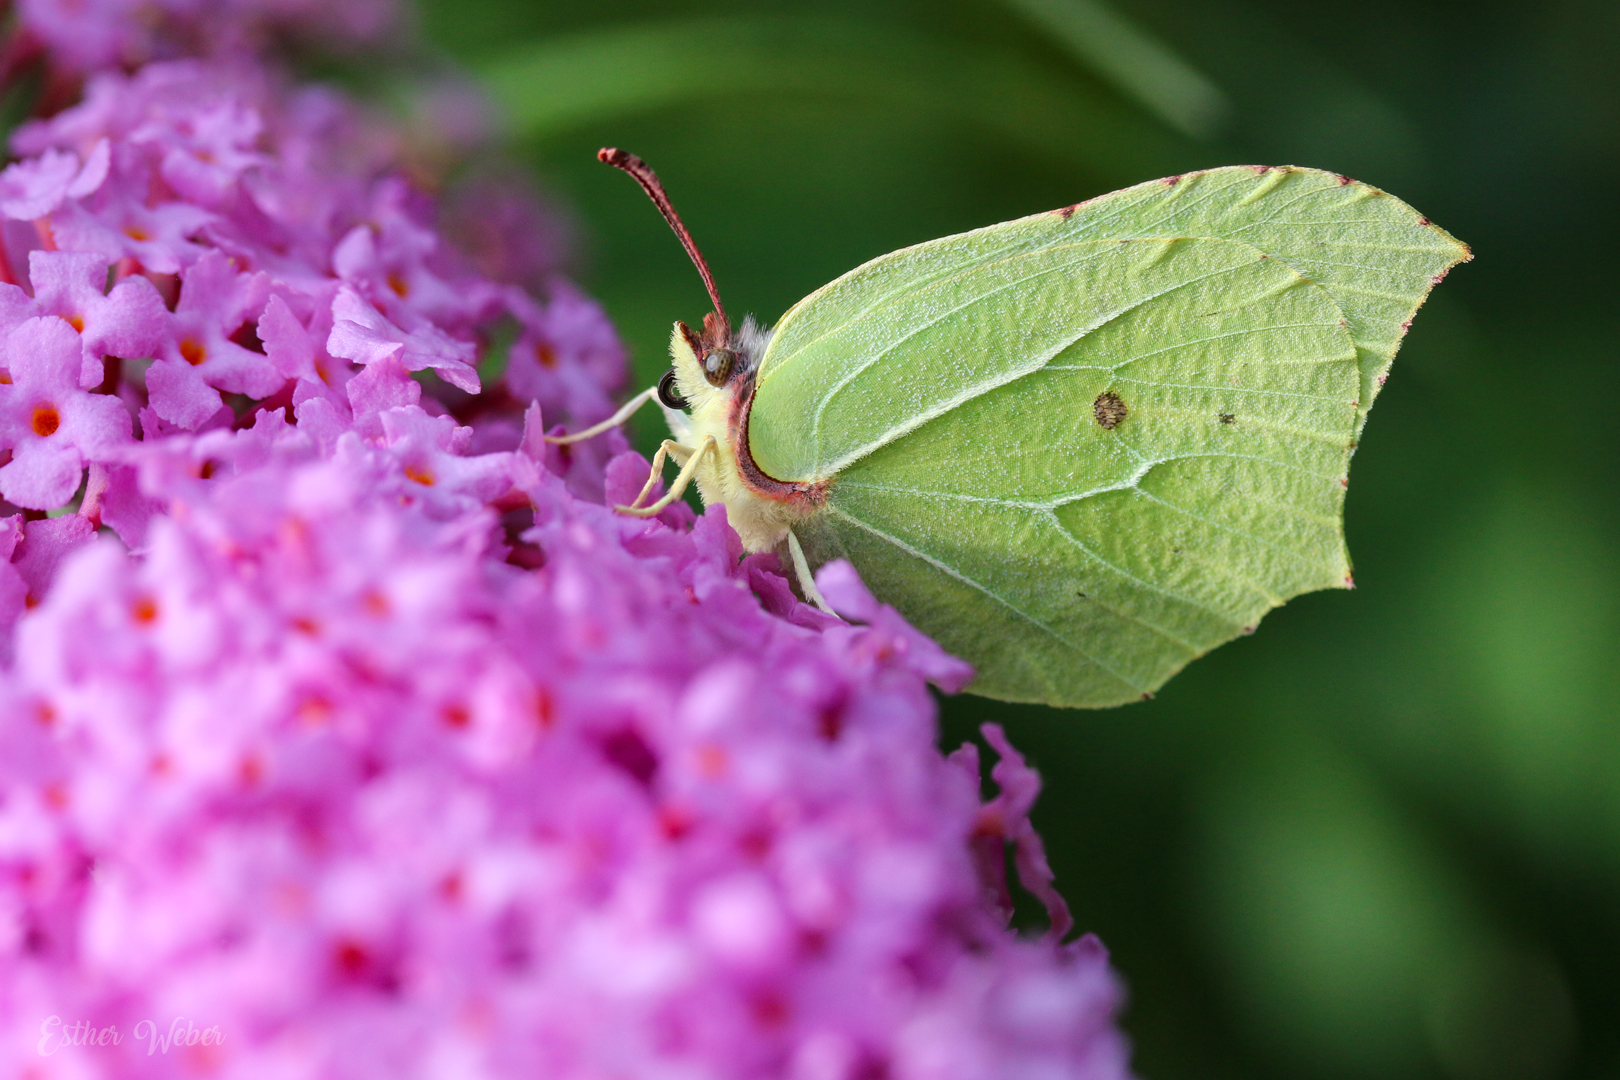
1380,838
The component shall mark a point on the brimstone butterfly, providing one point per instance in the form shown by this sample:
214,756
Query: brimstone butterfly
1078,449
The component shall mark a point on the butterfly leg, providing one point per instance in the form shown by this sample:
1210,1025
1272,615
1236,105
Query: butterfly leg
669,448
801,569
626,411
678,488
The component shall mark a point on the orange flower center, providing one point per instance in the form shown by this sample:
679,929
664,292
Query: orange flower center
194,351
544,353
401,287
420,474
313,711
46,420
76,321
136,233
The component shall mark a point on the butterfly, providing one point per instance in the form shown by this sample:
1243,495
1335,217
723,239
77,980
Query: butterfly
1078,449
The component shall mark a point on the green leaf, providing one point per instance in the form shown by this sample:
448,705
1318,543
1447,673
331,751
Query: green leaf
600,75
1083,448
1137,63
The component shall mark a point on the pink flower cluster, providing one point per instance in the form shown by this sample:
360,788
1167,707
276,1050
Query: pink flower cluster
83,35
341,718
262,256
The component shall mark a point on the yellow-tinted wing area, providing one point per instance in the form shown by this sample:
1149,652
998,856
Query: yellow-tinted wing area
1082,448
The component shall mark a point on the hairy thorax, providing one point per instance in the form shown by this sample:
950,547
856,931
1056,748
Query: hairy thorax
759,507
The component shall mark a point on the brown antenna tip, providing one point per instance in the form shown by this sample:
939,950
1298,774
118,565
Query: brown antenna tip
643,175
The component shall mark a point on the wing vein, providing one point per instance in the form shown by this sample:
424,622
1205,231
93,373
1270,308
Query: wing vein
914,422
1292,557
1221,337
952,572
855,372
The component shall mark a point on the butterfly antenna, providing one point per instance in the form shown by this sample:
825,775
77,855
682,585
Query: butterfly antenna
642,173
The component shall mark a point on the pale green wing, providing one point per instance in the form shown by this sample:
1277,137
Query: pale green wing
842,346
1081,449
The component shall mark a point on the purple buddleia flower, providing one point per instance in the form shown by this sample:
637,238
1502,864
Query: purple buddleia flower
86,34
129,322
340,716
44,545
499,222
363,334
568,356
31,189
206,150
159,238
50,425
390,260
548,797
431,452
200,358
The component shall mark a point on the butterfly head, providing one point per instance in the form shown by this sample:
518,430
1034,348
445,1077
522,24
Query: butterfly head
708,368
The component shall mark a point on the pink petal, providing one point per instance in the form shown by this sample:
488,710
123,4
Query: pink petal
45,354
383,385
361,333
125,509
42,475
1020,785
96,423
131,322
94,172
16,308
180,395
286,342
45,544
31,189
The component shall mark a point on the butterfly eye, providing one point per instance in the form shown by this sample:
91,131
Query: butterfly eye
717,365
669,395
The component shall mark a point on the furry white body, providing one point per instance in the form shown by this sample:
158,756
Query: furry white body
762,520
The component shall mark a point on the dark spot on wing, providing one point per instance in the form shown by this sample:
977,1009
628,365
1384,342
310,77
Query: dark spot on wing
1228,418
1066,212
1170,181
1344,180
1109,410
